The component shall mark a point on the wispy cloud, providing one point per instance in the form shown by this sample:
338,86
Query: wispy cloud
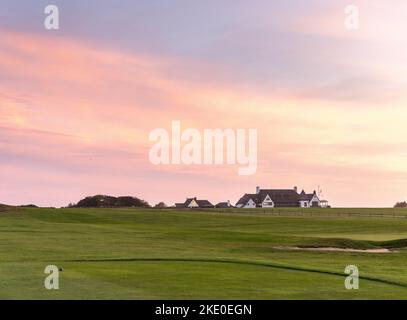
75,115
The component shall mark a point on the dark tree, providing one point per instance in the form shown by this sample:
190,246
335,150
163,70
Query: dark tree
102,201
160,205
401,205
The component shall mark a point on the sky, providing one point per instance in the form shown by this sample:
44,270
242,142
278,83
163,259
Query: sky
77,104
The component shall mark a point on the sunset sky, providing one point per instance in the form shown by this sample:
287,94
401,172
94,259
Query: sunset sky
77,104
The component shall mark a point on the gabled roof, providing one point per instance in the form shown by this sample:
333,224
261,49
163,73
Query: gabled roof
201,203
188,201
281,197
306,196
257,198
204,204
223,205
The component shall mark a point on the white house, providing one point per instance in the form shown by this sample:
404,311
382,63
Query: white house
194,203
269,198
309,200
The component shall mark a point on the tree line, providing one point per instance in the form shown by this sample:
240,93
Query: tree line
104,201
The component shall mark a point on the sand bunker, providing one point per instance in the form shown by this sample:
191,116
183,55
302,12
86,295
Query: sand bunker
333,249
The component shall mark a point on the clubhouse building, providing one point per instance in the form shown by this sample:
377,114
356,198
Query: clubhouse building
270,198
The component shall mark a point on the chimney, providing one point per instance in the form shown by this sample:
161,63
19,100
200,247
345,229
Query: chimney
257,190
296,189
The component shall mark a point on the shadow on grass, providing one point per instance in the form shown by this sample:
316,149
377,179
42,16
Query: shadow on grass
243,262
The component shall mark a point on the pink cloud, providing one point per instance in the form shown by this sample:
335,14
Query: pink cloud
75,118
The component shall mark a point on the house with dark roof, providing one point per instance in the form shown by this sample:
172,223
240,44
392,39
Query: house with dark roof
194,203
270,198
309,200
224,205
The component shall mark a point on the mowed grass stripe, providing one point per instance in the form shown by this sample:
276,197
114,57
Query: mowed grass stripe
244,262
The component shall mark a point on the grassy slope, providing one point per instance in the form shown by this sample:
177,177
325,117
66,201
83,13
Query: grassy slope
136,254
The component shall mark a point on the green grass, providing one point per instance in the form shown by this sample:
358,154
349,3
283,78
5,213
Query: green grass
168,254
